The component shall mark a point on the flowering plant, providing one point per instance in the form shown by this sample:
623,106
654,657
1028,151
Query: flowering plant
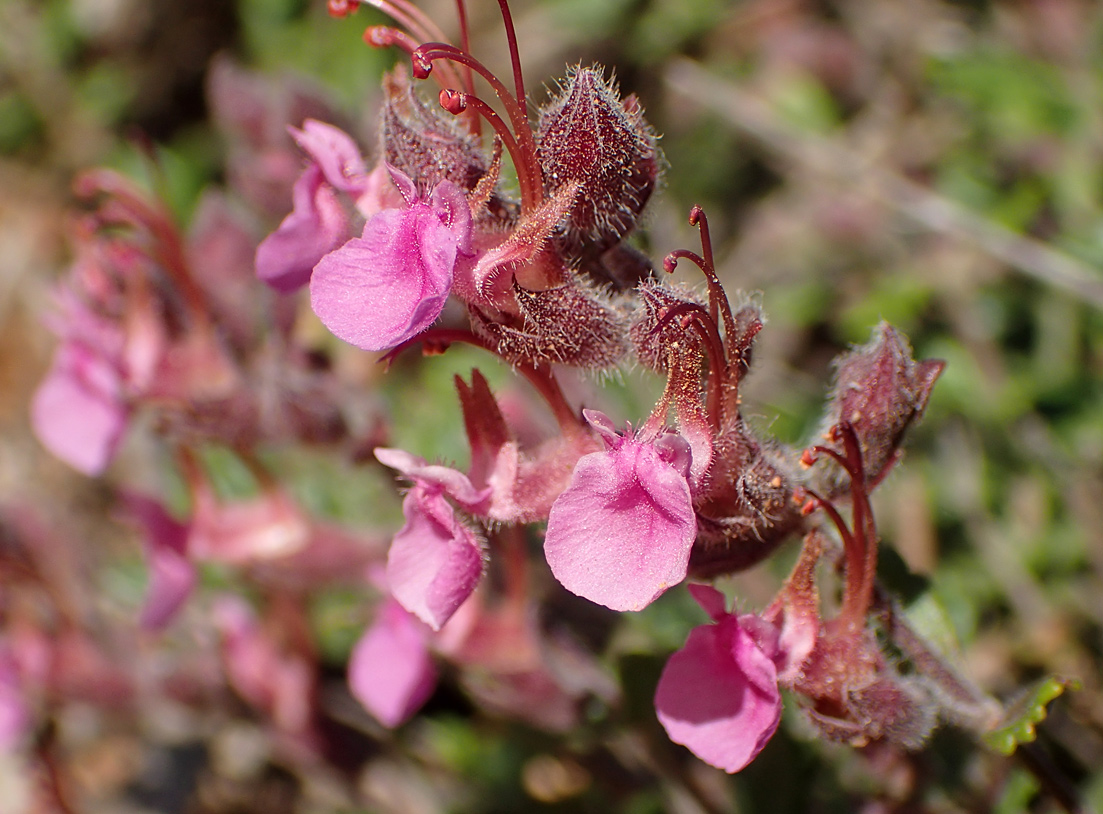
482,223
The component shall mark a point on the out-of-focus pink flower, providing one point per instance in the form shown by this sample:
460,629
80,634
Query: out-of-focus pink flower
79,412
718,696
621,532
391,671
435,561
316,226
172,575
277,683
15,718
335,154
263,529
240,532
391,283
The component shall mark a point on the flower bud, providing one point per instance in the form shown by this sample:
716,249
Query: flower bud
588,135
879,391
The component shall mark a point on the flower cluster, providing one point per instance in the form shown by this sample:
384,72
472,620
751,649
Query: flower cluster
543,278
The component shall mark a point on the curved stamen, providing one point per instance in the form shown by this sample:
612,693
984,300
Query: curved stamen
384,36
456,103
409,15
716,291
473,121
693,317
718,300
514,56
423,60
860,542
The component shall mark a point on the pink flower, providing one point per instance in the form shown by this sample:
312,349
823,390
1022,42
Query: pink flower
318,223
620,534
316,226
278,683
15,716
79,410
391,283
718,695
263,529
435,561
172,576
390,671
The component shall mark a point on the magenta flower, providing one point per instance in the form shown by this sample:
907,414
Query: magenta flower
718,695
87,380
278,683
15,717
315,227
435,561
390,671
391,283
318,223
620,534
172,575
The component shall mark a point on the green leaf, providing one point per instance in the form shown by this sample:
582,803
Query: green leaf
1030,708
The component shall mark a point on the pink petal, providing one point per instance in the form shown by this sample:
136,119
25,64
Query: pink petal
621,533
172,575
78,413
261,528
315,227
434,562
15,717
711,600
390,671
718,696
455,484
335,153
278,683
390,284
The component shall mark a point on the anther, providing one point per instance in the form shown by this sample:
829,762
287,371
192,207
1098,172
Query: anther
453,101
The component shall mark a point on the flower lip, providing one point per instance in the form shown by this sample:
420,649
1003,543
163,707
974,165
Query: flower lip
621,533
391,283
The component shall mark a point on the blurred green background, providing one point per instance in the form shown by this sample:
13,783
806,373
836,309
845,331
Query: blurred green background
935,164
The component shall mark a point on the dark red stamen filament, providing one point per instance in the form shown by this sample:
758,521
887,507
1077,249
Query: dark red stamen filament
456,103
383,36
514,56
524,159
473,121
860,541
693,317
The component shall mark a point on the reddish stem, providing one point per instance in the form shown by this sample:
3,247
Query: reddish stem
457,103
474,122
516,569
423,60
514,56
384,36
